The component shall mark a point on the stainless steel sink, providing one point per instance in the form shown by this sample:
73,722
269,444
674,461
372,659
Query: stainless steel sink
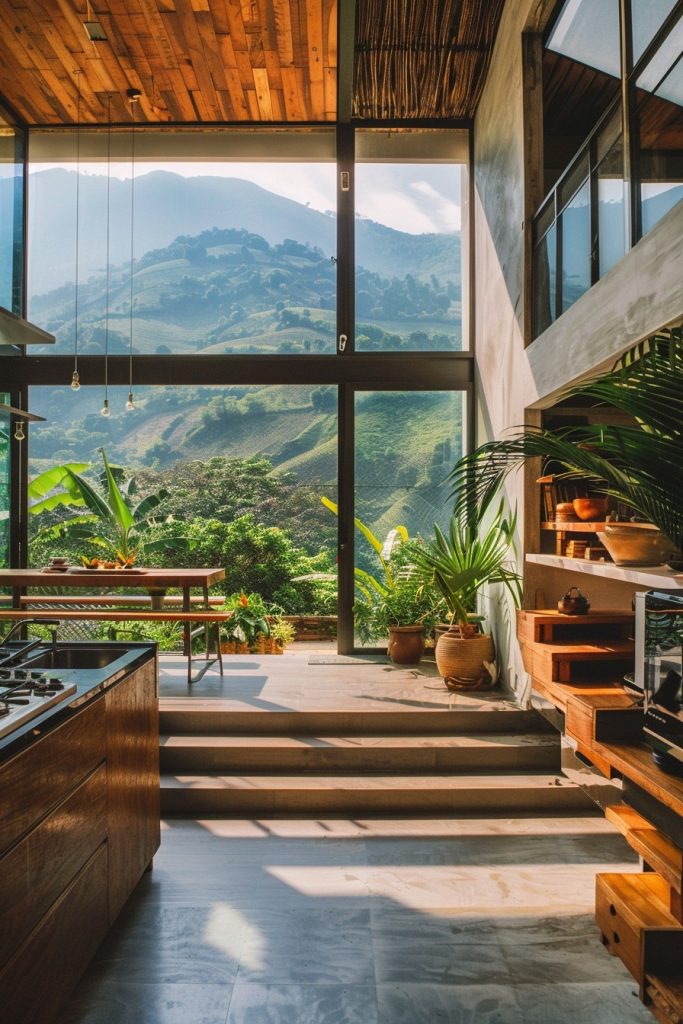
75,657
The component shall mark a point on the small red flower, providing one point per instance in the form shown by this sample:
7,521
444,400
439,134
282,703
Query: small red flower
243,600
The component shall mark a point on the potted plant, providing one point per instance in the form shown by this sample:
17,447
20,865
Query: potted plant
637,465
475,551
404,611
248,622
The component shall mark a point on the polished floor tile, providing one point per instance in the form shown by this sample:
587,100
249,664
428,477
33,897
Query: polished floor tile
303,1004
366,921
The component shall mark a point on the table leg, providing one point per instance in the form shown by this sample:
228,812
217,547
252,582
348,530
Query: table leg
187,634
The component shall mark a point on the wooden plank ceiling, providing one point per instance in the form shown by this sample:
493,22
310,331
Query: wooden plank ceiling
204,61
195,61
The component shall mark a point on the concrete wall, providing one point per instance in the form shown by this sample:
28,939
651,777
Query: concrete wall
642,293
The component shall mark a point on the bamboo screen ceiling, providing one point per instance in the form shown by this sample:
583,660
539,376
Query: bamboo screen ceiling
202,61
422,59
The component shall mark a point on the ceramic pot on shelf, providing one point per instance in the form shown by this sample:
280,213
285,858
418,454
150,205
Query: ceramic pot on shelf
635,544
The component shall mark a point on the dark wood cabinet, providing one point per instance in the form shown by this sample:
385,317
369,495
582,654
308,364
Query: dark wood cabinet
79,825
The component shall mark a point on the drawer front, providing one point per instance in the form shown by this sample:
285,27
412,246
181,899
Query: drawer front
38,778
35,872
618,936
37,982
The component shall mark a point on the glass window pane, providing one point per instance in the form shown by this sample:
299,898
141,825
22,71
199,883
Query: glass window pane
611,212
230,257
545,281
660,130
576,247
11,218
646,17
406,442
408,257
588,32
244,467
4,483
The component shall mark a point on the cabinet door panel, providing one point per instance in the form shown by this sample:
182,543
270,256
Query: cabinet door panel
38,869
40,977
36,779
132,781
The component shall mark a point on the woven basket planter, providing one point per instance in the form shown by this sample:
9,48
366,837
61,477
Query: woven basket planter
460,660
234,647
267,645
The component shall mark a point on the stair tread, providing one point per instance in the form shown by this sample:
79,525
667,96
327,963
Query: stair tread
402,742
609,649
360,783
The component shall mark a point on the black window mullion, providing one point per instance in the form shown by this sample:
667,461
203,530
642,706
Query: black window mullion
346,312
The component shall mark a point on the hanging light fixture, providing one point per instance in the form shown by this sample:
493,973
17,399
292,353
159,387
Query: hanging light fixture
105,410
133,97
75,378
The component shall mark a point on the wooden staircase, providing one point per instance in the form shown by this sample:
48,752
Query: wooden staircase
233,762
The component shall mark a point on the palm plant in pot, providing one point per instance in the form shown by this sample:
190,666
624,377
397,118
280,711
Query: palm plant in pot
475,551
636,465
404,611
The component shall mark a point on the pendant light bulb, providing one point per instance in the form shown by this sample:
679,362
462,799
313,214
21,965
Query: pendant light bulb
105,410
75,381
19,434
130,403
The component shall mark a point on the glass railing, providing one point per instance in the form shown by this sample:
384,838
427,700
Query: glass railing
579,231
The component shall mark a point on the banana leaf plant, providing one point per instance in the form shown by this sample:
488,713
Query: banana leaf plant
638,465
369,586
477,550
113,519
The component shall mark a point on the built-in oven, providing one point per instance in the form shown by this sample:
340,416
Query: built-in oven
659,673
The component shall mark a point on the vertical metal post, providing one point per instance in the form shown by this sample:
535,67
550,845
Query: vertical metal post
631,204
345,348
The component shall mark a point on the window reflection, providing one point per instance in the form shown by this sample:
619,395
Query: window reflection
11,217
646,18
659,104
588,32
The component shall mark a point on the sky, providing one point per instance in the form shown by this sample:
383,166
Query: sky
417,198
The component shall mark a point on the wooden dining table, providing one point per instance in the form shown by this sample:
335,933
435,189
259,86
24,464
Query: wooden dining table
156,583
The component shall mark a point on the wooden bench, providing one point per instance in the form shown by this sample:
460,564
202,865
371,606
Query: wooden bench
91,610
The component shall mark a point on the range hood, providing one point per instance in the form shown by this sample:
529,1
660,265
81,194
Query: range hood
14,330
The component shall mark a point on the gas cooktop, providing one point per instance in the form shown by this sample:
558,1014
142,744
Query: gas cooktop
26,693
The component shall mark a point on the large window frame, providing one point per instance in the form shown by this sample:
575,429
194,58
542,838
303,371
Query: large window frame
548,217
348,370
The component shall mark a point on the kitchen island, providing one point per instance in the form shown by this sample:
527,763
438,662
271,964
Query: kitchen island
79,823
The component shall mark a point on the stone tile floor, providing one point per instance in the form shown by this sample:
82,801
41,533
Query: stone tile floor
464,921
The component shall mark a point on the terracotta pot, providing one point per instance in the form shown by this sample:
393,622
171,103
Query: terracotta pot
460,660
406,644
590,509
635,544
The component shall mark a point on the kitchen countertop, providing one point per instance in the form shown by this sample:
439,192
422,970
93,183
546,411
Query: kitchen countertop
89,683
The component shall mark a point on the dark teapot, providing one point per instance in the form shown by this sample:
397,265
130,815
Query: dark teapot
573,603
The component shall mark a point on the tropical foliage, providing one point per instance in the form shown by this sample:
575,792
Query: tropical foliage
637,465
113,520
476,551
409,601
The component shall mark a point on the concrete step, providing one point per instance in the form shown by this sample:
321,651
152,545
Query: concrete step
402,753
512,793
211,717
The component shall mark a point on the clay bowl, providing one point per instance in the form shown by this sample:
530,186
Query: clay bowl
590,509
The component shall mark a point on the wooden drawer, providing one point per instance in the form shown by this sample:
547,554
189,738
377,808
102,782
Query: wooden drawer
35,780
36,983
36,871
635,923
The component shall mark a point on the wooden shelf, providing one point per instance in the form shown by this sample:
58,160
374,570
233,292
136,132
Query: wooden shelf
655,577
579,526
